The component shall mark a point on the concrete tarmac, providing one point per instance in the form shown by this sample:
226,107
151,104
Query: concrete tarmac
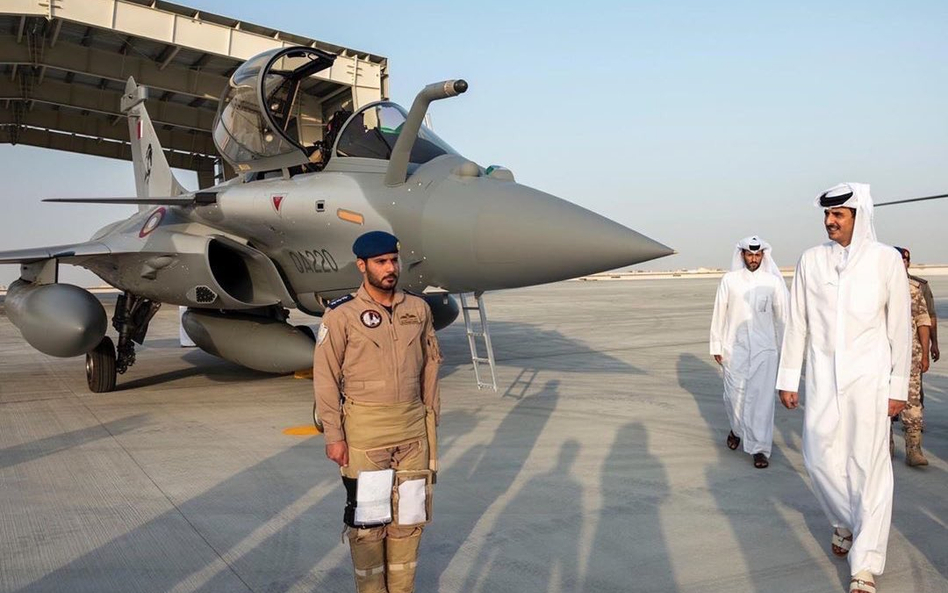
598,466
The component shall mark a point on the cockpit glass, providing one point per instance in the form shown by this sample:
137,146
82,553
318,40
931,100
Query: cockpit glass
269,115
372,134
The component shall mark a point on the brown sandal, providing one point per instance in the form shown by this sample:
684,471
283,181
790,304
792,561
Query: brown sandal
841,543
733,441
760,461
861,583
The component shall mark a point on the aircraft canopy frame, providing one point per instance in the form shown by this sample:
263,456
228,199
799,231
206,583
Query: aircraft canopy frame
268,117
372,132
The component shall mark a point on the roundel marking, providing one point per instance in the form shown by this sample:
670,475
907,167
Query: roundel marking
152,223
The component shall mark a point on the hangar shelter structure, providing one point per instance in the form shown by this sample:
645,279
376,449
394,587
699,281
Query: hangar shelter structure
64,65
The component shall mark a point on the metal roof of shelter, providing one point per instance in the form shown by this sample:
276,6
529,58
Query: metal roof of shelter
64,64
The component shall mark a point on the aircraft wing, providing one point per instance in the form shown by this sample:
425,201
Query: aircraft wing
194,199
76,250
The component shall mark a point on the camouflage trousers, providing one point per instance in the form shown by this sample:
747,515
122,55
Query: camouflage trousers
911,416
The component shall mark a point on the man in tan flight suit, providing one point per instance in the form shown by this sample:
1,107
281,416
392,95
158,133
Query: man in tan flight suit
376,379
911,416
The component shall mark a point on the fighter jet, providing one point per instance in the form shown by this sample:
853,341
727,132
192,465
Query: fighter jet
278,236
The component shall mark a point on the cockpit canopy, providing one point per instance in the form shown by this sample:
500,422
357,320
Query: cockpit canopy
268,118
372,132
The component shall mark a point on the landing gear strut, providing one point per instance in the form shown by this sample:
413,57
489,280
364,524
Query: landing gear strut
131,319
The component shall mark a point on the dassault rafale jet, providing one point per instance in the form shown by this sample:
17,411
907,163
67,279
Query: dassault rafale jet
278,235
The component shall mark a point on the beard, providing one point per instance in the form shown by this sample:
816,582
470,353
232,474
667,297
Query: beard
752,266
386,282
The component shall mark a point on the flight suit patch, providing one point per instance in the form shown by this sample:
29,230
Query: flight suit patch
408,319
370,318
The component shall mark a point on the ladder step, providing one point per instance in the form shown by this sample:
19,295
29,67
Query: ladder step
470,322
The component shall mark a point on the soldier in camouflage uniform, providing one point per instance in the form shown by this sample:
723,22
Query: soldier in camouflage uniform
930,304
912,414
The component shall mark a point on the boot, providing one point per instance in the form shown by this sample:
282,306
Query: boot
913,449
368,559
402,556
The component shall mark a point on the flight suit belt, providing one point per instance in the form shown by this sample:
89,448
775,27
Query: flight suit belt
379,426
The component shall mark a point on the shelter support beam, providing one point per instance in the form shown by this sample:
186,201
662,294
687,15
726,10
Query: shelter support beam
106,127
94,147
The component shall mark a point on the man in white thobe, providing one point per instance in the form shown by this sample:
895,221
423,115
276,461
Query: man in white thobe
750,312
850,318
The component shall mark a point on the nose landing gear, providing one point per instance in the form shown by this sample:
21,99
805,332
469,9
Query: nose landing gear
106,361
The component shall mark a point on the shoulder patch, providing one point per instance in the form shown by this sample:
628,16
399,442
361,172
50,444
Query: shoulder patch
340,301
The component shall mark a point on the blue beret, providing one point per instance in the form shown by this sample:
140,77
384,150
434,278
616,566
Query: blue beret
375,243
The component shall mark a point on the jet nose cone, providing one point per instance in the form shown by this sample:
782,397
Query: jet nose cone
520,236
552,233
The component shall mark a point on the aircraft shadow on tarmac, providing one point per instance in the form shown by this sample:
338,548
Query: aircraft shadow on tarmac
51,445
517,345
532,346
202,365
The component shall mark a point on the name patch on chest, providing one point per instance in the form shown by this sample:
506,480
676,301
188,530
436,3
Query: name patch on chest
370,318
408,319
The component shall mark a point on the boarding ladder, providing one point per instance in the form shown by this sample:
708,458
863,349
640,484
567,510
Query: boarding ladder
473,334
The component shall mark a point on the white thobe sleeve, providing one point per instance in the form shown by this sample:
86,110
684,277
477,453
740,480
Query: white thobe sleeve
718,319
899,329
794,336
781,304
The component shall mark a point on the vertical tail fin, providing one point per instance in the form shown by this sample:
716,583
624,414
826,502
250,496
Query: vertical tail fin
153,176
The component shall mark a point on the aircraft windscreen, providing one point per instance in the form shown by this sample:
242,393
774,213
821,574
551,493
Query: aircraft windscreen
372,134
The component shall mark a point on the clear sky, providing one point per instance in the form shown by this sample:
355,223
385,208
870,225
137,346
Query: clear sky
696,123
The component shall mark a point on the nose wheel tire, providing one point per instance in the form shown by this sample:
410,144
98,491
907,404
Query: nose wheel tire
100,367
